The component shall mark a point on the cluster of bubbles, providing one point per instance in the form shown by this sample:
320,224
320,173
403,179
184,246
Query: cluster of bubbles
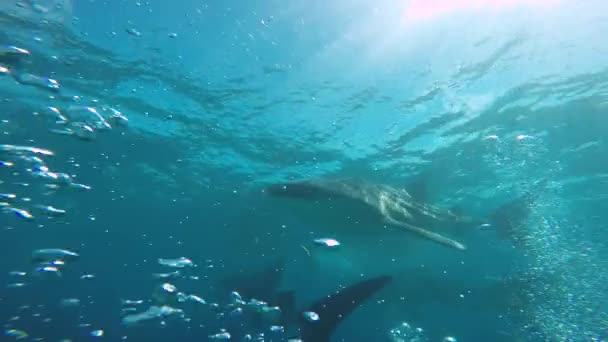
32,185
25,172
168,302
28,183
407,333
24,169
83,122
47,262
404,332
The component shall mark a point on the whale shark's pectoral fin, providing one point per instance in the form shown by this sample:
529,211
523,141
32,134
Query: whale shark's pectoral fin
427,234
335,307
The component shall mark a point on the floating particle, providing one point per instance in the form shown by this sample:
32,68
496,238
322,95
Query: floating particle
449,339
79,186
132,302
258,304
277,329
172,35
169,275
7,50
17,274
21,213
17,148
49,270
16,334
311,316
70,302
176,263
15,285
115,116
87,276
405,332
38,81
53,254
59,118
133,32
235,297
51,211
196,299
7,197
152,313
57,263
87,116
221,336
327,242
182,297
170,288
97,333
236,312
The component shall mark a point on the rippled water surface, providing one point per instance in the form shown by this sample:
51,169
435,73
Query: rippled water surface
302,170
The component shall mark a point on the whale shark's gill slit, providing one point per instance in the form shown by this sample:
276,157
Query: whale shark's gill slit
444,240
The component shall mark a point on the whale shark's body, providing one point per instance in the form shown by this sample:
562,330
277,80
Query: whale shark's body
380,205
376,223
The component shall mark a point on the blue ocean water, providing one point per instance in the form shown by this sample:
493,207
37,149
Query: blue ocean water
132,132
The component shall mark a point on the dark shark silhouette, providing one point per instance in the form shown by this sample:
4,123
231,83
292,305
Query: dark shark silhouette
332,309
389,205
398,208
509,219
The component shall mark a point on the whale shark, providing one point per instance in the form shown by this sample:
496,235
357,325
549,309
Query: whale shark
379,204
301,324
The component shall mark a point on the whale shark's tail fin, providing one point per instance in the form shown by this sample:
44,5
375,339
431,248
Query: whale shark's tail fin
337,306
509,219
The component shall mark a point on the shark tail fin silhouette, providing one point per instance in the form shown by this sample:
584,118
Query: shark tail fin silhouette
337,306
508,220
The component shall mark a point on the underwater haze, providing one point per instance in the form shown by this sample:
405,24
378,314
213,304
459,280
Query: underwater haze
305,170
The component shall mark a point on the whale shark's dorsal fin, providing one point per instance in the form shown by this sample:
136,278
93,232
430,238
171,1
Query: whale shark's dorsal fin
337,306
418,189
